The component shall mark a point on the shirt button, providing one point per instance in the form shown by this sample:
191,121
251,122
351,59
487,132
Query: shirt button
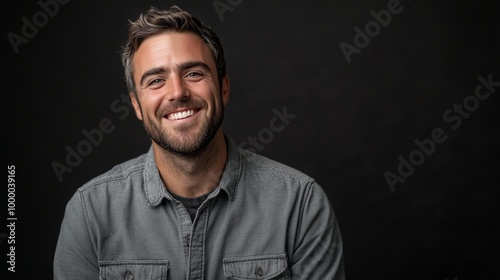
259,272
129,276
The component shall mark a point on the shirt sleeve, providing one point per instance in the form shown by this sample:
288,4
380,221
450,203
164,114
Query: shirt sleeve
318,251
75,255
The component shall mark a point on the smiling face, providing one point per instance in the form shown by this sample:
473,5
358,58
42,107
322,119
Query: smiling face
179,99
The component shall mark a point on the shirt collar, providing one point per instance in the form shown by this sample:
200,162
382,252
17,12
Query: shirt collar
156,191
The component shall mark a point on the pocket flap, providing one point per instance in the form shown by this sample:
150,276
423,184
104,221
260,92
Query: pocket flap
255,267
133,269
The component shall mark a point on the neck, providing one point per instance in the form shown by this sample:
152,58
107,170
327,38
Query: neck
192,177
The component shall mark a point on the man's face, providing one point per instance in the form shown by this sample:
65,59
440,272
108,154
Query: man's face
179,100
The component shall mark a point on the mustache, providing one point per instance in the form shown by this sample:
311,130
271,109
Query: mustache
176,105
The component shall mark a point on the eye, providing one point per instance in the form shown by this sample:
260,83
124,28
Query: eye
156,83
193,74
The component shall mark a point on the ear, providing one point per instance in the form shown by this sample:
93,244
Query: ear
225,89
137,106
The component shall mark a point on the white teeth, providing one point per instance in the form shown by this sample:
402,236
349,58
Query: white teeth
181,115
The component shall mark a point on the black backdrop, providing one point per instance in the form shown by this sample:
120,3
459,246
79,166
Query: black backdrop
355,121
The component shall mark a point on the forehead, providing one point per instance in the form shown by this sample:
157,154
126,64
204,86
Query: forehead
170,49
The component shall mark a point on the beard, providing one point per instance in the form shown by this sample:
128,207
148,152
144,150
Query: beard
184,142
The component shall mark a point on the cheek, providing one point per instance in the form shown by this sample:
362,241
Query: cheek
151,101
210,93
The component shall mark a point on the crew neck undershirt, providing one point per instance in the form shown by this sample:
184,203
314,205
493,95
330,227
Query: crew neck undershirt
191,204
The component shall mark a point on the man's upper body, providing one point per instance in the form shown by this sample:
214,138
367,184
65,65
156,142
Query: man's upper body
263,221
195,206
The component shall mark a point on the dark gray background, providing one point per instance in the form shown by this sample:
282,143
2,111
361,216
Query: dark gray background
353,120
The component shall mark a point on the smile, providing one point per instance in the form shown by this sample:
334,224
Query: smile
180,115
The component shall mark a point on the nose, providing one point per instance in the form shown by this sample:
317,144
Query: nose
176,89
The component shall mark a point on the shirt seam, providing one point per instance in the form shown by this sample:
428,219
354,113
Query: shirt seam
115,177
87,224
307,194
282,170
237,180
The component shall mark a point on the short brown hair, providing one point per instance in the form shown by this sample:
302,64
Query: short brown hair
155,21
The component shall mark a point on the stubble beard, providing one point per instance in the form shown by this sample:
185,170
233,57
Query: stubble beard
188,144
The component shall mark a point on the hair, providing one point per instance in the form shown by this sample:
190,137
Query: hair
153,22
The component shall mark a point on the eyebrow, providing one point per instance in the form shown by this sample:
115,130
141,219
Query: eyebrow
182,67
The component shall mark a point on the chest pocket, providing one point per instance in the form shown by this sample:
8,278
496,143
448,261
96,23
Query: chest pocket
133,270
265,267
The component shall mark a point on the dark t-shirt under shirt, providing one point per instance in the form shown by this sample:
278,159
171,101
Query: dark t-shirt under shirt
191,204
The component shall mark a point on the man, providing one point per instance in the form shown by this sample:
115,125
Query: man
195,206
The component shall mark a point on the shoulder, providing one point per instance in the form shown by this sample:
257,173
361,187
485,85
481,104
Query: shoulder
263,163
128,171
273,172
272,184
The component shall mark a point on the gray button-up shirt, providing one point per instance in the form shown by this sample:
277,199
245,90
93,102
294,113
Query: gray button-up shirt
265,220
